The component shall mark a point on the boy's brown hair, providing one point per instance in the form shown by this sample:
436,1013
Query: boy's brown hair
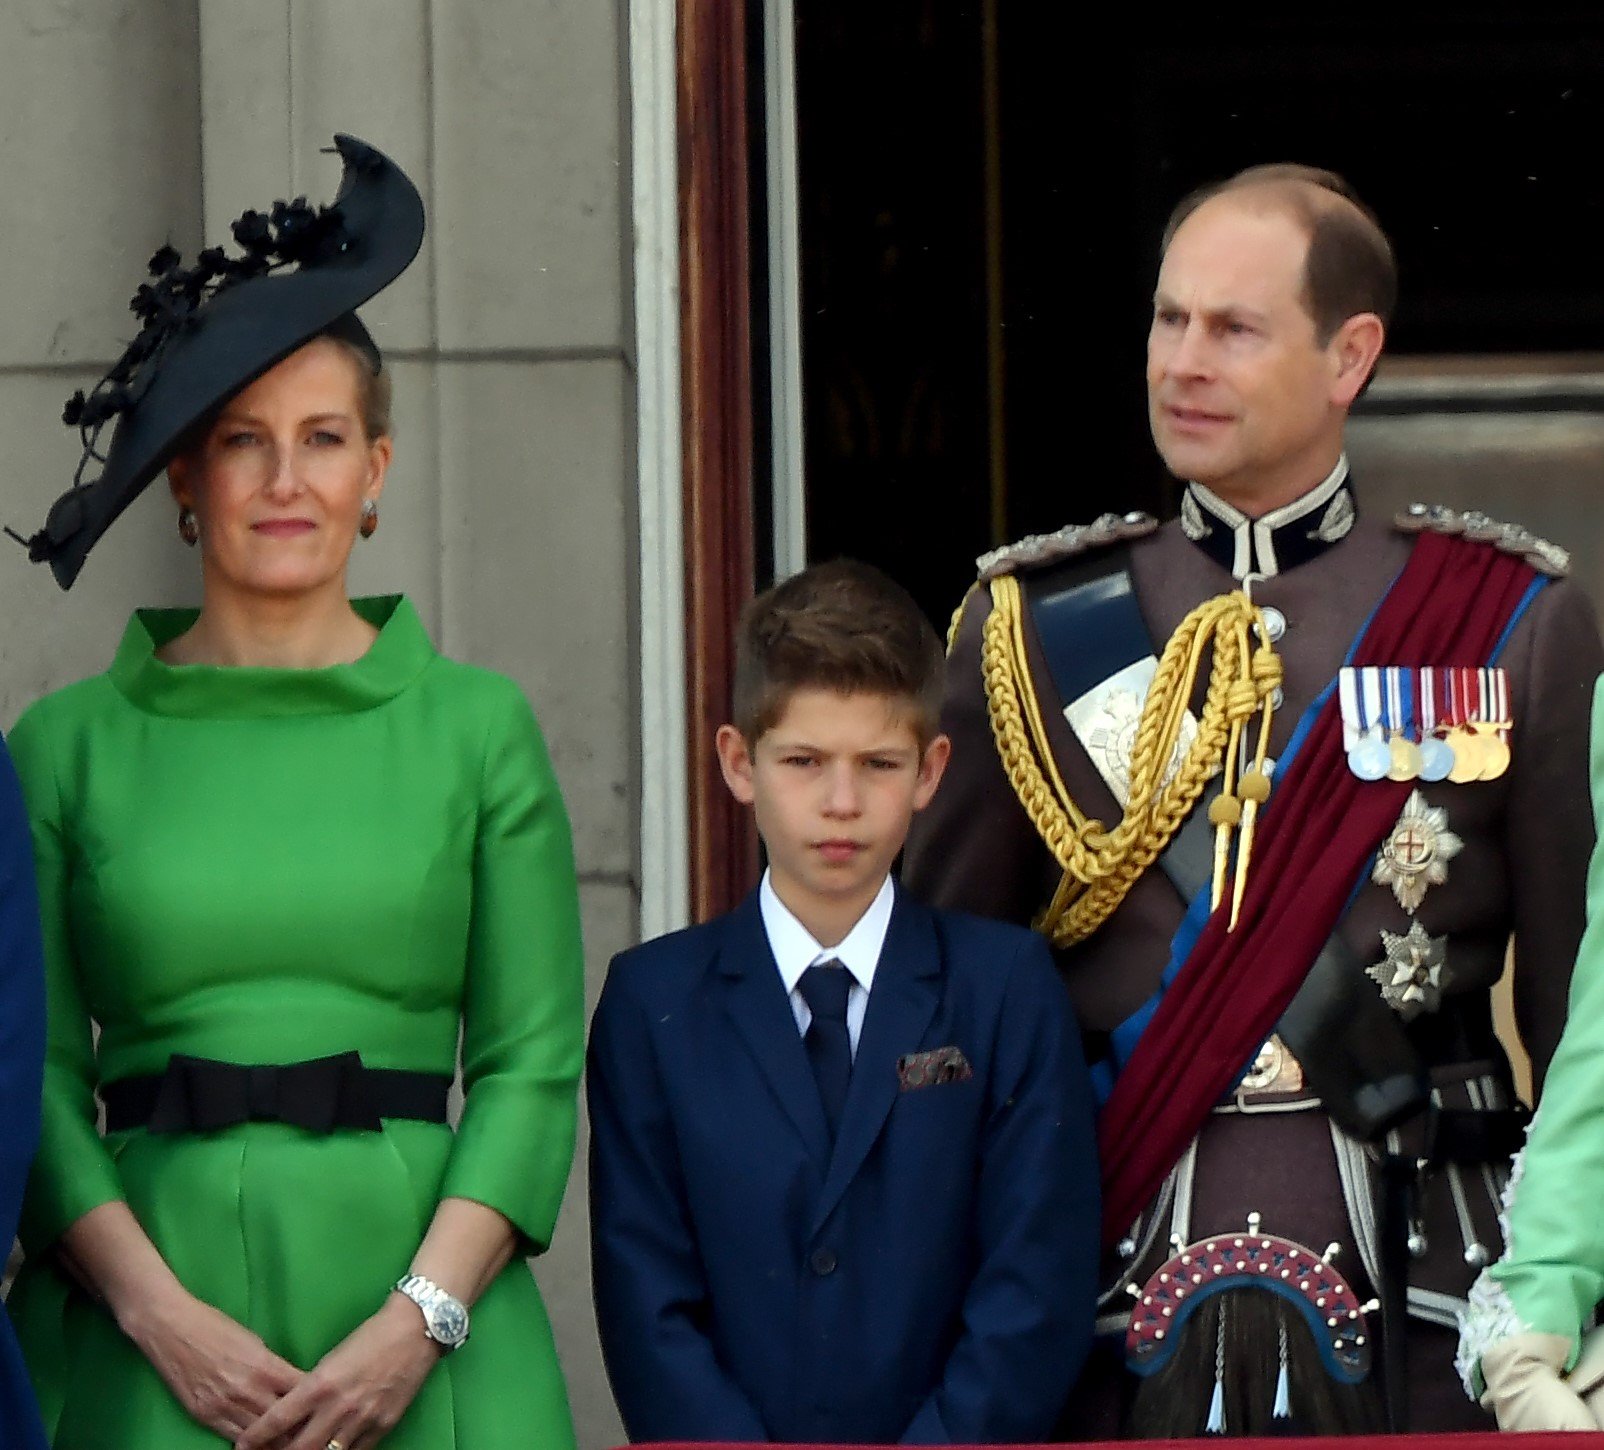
840,626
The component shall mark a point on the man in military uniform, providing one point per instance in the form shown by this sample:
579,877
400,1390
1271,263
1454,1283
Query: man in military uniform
1249,855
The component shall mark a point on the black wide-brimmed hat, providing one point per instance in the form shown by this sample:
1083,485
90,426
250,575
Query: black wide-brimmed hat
212,329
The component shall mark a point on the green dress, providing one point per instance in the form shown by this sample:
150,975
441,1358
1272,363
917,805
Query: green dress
265,866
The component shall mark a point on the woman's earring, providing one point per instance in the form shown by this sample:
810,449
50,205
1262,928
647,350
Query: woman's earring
188,527
370,518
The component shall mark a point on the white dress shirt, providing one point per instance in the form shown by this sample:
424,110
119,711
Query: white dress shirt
795,950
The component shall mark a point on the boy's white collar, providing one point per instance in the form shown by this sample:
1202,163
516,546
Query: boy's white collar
795,948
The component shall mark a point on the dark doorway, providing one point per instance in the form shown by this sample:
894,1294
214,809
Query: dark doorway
982,190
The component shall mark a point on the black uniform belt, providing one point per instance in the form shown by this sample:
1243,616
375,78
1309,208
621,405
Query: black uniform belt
1469,1136
198,1095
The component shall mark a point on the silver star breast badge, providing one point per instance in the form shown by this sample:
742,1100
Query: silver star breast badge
1416,853
1413,973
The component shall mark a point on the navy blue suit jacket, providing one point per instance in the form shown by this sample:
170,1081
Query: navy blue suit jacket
22,1051
928,1280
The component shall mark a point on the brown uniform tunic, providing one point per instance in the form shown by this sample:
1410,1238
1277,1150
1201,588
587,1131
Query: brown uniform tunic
1527,838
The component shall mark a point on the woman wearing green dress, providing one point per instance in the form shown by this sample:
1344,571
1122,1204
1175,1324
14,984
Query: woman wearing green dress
288,855
1527,1348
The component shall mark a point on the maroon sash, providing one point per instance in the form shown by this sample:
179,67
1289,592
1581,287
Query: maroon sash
1449,606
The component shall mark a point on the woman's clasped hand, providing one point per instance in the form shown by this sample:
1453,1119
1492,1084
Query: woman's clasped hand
356,1393
219,1371
228,1380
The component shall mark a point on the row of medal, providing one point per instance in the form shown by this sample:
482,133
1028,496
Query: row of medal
1403,723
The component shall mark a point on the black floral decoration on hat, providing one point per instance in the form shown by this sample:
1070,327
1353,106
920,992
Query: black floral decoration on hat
291,234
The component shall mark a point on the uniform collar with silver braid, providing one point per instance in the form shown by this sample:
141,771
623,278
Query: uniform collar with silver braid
1281,539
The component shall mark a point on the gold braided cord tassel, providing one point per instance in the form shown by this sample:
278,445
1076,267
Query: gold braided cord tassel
1100,866
958,619
1254,787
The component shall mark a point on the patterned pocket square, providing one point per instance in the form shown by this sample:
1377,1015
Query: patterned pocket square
930,1069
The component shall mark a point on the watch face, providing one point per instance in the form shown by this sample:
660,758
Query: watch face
448,1321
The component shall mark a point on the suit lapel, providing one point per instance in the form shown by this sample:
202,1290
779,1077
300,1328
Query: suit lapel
757,1006
907,988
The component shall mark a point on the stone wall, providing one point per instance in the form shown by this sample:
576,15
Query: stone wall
509,515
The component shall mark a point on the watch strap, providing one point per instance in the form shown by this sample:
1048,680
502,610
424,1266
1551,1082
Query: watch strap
431,1300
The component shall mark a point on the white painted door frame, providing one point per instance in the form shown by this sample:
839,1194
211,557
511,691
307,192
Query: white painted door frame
664,817
654,131
785,287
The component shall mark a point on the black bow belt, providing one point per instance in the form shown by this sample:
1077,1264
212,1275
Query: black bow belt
197,1095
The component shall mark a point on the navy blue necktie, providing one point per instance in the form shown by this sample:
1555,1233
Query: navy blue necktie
829,1046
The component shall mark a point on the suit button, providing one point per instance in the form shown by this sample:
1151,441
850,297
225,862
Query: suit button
822,1261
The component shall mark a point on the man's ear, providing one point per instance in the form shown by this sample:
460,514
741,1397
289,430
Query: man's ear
735,760
932,765
1354,352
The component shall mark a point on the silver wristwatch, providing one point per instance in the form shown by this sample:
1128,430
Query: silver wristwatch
445,1317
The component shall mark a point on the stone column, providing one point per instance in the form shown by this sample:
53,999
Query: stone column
99,148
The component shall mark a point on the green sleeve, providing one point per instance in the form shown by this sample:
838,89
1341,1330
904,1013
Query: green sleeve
1552,1273
523,1017
72,1172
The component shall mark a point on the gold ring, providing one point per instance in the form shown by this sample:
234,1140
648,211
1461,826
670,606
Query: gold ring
334,1445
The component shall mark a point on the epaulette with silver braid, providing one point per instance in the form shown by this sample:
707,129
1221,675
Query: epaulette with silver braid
1438,518
1036,549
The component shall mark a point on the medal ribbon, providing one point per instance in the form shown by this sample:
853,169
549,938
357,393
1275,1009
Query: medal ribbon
1497,696
1348,692
1370,698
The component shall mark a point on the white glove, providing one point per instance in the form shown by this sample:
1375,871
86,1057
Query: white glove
1587,1376
1525,1388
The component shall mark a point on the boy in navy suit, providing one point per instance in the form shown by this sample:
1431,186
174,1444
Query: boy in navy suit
843,1174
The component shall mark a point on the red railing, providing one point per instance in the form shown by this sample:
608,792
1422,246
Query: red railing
1477,1440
